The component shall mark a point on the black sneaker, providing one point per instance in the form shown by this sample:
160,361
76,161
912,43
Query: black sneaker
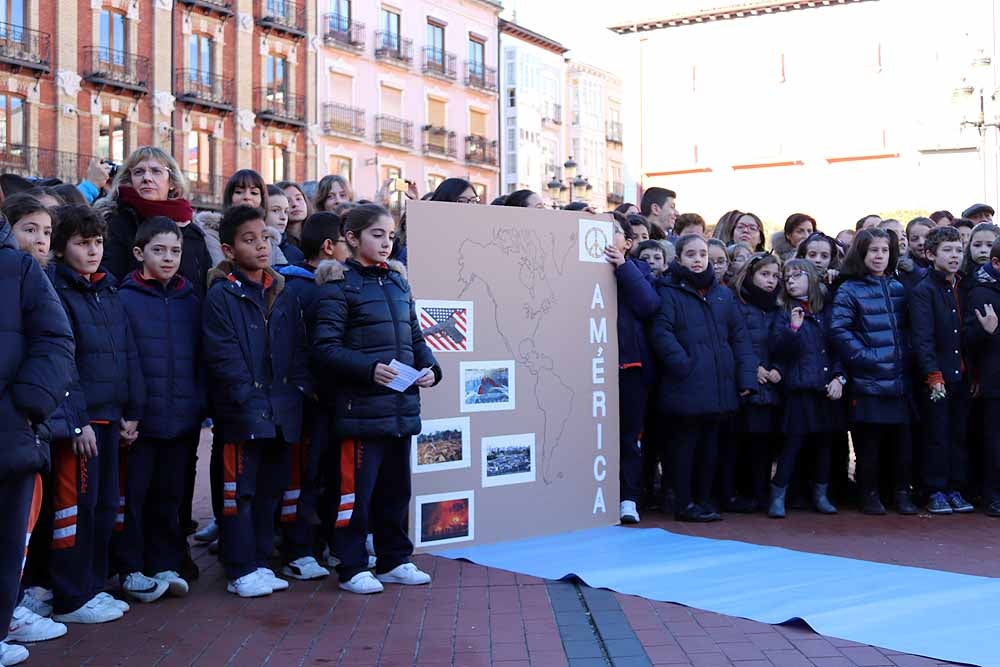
904,504
709,511
959,505
872,505
694,514
740,505
938,504
993,509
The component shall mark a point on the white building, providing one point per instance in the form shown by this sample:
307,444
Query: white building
595,98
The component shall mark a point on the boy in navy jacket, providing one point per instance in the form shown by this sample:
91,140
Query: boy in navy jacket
637,302
164,313
936,320
255,350
36,358
110,393
983,338
322,239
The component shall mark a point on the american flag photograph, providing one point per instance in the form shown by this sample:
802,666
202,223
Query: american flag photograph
447,325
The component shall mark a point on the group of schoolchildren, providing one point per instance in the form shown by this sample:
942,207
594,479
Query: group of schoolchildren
106,381
763,370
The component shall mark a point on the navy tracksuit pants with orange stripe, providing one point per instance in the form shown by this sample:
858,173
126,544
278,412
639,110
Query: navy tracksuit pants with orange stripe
254,474
21,500
85,504
374,498
155,475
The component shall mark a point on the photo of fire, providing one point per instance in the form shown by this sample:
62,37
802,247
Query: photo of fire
445,518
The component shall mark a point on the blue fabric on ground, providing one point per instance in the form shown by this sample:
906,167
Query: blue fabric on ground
954,617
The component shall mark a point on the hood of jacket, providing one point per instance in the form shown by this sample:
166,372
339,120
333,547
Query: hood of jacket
331,270
7,238
208,220
781,247
297,271
225,270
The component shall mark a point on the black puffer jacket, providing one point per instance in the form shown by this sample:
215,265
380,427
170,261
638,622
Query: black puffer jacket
36,358
365,316
123,223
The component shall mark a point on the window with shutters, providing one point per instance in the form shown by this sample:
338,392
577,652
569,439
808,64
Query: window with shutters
392,101
340,166
198,157
477,123
275,163
434,180
112,136
436,135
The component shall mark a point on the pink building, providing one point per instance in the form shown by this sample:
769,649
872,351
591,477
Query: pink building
409,90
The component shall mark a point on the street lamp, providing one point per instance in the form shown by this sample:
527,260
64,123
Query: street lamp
981,82
573,180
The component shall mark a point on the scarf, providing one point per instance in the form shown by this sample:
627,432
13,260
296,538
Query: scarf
178,210
755,296
906,264
987,274
699,281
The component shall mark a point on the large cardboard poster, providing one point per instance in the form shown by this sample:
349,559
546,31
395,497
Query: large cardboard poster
521,437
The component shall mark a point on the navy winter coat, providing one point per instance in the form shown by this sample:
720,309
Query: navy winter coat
869,330
703,350
110,385
758,324
365,316
805,358
291,252
123,223
166,325
936,325
36,358
910,279
256,354
300,281
637,303
984,348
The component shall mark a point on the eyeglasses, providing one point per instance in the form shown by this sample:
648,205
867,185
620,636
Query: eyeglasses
743,227
793,276
468,200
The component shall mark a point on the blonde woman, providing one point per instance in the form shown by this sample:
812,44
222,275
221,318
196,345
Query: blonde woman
149,183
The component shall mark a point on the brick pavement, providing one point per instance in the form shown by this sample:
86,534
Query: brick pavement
472,615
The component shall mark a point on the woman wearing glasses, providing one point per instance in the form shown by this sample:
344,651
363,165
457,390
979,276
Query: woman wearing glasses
740,227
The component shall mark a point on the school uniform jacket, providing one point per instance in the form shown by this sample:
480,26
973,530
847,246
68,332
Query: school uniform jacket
936,325
166,324
805,358
869,330
366,316
256,354
704,354
36,358
637,303
984,347
758,324
109,384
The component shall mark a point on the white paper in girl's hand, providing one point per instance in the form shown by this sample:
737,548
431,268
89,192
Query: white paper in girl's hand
405,375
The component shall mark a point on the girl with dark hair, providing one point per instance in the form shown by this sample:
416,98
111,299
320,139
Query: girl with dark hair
627,209
365,319
977,254
457,190
245,187
870,332
942,217
813,382
576,206
499,201
916,234
277,219
706,362
299,208
31,223
823,253
756,290
332,191
525,199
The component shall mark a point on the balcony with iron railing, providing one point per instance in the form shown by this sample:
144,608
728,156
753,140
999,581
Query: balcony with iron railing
439,64
106,67
220,7
204,89
439,142
614,133
277,106
393,49
480,150
343,120
552,113
394,131
616,192
205,191
282,15
343,33
480,76
34,162
21,47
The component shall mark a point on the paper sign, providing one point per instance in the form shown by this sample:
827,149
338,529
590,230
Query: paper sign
595,236
405,376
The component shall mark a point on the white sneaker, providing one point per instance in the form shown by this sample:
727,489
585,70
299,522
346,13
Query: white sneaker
407,574
251,585
209,533
143,588
12,654
331,560
305,568
27,626
95,611
38,600
176,585
272,579
627,512
113,602
363,583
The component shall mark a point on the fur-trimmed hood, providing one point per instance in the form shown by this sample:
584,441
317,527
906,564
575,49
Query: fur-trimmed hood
331,270
224,271
781,247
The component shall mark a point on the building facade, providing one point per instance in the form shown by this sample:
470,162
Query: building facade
595,137
99,78
764,106
409,91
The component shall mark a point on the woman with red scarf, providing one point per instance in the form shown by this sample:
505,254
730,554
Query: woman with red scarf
149,183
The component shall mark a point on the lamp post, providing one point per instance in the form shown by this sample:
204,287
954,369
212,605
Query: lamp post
573,180
980,83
